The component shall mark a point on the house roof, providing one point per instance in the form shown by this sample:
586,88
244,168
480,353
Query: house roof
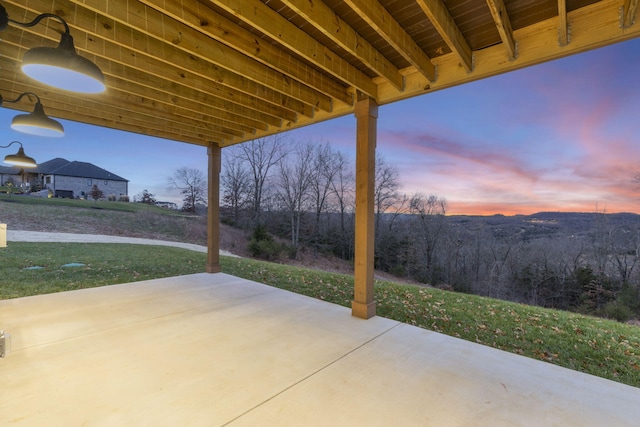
50,165
228,71
59,166
8,170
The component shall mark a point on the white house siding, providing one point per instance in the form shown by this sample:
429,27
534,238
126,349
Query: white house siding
81,187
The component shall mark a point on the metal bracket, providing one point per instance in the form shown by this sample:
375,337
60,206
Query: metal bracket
622,15
566,42
4,18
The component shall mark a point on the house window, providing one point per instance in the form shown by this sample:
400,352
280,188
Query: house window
47,180
88,182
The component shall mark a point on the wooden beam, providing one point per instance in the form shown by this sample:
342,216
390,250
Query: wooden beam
388,28
214,25
503,24
629,10
563,24
442,21
139,82
363,304
331,25
157,33
107,108
158,93
269,22
214,155
173,32
140,61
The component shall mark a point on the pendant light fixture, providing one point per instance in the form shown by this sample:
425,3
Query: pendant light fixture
37,122
19,159
59,66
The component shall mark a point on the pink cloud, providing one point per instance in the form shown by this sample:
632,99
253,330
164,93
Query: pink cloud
559,136
445,154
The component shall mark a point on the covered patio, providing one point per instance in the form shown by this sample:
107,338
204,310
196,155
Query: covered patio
217,73
215,350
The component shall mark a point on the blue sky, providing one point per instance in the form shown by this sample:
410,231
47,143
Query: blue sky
561,136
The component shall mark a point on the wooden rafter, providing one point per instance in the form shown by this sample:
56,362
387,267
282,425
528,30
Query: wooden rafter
393,33
269,22
148,112
122,102
212,24
159,32
137,82
331,25
446,26
503,24
138,62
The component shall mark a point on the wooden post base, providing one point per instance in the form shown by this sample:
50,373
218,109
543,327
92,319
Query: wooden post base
363,311
214,268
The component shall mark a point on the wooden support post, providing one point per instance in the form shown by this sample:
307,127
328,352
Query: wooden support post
214,153
366,112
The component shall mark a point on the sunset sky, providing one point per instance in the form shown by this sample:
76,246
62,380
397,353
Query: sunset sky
562,136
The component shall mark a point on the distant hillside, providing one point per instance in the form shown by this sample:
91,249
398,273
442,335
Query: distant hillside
545,224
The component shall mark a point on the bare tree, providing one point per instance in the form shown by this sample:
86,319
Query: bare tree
236,181
343,188
192,185
294,179
500,252
261,155
624,254
325,167
428,226
386,187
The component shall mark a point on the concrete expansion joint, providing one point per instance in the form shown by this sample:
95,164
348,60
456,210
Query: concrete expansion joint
314,373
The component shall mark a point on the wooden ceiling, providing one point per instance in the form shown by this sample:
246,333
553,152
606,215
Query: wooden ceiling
228,71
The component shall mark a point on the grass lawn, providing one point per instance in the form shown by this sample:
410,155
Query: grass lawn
102,217
37,268
600,347
86,204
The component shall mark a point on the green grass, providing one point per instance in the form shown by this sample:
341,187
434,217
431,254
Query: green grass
104,264
87,204
103,217
596,346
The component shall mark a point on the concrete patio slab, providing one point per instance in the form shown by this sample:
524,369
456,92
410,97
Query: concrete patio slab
213,349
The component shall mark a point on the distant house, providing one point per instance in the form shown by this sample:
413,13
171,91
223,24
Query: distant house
167,205
68,179
7,174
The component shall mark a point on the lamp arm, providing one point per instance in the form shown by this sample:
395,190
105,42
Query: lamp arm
40,18
12,101
11,143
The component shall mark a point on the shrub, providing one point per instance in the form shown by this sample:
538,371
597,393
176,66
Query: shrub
96,193
630,297
617,311
111,197
263,246
123,198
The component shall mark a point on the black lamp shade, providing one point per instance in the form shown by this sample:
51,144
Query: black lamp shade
20,159
37,123
63,68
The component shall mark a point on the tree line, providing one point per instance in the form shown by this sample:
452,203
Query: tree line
304,192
